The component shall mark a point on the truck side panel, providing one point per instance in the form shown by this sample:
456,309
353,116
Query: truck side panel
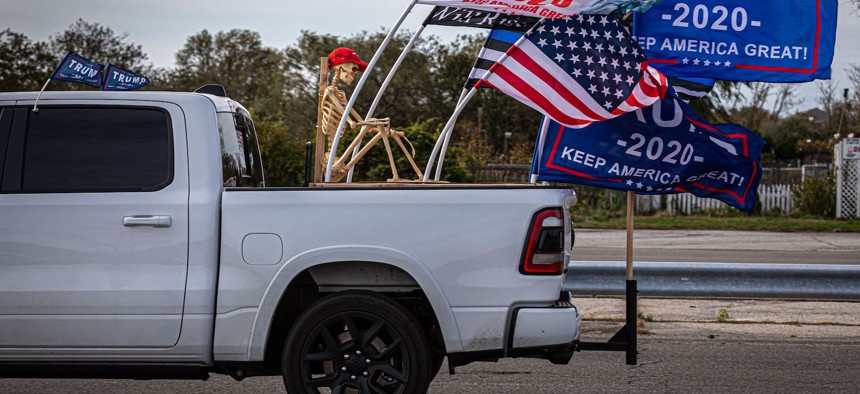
471,237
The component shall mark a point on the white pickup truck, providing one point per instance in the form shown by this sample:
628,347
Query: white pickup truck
138,240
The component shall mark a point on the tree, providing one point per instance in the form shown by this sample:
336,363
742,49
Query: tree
283,154
716,105
751,112
250,72
253,75
786,100
99,44
852,103
754,112
827,99
24,64
782,137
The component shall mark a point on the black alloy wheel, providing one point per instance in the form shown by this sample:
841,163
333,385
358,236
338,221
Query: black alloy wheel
356,342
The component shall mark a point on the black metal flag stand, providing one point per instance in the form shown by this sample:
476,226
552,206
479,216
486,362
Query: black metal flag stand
625,339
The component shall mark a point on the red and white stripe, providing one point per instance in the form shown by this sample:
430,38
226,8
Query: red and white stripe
555,9
537,81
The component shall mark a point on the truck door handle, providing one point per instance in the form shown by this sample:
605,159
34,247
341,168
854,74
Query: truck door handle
158,221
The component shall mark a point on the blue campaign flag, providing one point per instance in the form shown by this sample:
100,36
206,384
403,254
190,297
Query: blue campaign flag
740,40
119,79
663,149
75,68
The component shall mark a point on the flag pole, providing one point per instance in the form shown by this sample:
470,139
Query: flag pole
453,120
630,202
445,143
361,82
631,291
36,104
442,154
448,126
544,127
382,89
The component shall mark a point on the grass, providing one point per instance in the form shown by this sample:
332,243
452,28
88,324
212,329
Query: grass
723,316
727,222
642,316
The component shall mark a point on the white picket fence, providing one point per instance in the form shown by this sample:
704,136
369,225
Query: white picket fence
773,198
776,197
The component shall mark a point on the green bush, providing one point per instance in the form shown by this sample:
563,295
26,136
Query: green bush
816,196
598,204
283,153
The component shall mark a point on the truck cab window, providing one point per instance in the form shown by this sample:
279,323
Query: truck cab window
240,153
86,149
5,122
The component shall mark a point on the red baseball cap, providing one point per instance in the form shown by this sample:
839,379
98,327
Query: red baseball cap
345,55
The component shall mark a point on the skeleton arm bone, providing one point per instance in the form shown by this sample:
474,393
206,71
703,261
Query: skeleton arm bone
354,120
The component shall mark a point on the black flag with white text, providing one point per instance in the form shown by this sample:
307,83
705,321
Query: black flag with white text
467,17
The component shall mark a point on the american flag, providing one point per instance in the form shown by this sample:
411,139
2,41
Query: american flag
578,70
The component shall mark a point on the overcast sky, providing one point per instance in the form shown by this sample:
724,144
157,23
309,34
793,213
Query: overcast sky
162,26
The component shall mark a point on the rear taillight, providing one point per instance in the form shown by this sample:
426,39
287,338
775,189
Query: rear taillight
543,253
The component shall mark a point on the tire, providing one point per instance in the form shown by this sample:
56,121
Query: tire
438,359
356,342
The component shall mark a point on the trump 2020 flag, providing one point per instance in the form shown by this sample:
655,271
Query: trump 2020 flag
549,8
740,40
664,149
578,70
119,79
75,68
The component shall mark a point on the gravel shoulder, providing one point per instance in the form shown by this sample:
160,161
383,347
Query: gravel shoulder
735,320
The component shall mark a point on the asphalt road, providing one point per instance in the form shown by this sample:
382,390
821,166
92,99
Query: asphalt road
667,365
762,346
719,246
679,359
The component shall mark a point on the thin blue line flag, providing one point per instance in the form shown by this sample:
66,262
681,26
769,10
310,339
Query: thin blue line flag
663,149
498,42
119,79
691,88
75,68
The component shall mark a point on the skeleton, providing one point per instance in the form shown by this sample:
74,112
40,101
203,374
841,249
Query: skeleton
332,104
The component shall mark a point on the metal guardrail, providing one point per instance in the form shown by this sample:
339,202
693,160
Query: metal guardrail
722,280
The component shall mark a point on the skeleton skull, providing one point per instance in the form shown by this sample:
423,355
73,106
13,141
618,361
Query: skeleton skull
346,72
